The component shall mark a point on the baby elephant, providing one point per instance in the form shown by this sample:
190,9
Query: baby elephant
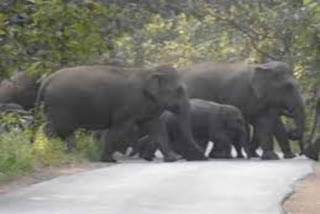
224,125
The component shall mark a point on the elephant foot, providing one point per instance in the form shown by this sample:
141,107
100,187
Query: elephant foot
108,159
254,154
240,156
133,153
289,155
218,155
149,157
172,157
311,153
196,158
270,155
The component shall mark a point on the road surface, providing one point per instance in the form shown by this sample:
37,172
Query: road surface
222,187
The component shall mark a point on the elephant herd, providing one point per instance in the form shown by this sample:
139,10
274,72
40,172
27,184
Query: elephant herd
178,111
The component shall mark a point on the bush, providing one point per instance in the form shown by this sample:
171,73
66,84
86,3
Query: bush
15,153
19,156
87,146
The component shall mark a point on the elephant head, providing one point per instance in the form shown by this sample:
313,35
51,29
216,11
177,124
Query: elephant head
21,89
274,86
165,87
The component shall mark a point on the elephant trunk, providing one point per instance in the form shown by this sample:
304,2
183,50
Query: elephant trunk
193,150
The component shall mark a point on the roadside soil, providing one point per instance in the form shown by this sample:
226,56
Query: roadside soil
44,174
306,199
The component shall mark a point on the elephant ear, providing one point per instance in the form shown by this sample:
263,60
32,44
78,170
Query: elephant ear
161,79
153,86
260,78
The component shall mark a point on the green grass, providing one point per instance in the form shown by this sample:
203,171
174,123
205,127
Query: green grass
19,157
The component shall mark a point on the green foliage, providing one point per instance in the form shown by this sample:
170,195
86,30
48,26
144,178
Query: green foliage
49,34
87,146
19,156
15,154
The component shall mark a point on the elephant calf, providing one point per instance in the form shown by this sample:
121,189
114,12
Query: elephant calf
224,125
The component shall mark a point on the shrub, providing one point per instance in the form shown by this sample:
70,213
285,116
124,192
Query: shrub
87,146
19,156
15,153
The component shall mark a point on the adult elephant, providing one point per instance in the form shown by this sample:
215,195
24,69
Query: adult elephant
255,90
116,98
20,89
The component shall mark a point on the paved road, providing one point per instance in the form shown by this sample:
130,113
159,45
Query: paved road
221,187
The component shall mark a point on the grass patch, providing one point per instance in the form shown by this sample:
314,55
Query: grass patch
19,157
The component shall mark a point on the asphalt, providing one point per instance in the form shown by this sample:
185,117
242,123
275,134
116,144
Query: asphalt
131,187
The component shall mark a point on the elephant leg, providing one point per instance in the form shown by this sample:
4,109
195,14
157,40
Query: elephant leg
159,135
138,146
222,153
63,131
107,140
313,150
238,148
281,136
111,137
264,131
149,151
254,145
192,150
147,148
221,148
203,143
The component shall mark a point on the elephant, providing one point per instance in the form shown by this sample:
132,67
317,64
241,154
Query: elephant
280,132
255,89
222,124
116,98
313,149
21,89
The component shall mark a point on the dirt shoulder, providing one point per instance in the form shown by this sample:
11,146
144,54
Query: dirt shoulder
44,174
306,199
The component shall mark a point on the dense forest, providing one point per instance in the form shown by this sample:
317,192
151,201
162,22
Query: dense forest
40,36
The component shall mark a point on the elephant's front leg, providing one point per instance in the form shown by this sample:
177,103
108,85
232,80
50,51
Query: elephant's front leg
281,136
222,148
158,134
263,134
107,140
111,137
147,148
192,149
